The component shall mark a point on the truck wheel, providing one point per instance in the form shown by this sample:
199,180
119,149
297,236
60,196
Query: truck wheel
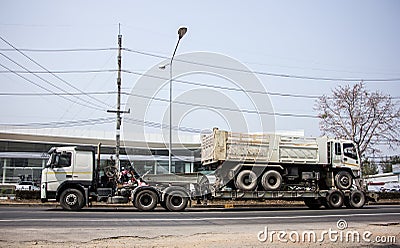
176,201
356,199
271,180
343,180
313,203
162,204
146,200
246,180
335,199
72,199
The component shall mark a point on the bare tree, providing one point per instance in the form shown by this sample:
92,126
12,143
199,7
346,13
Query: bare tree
367,118
369,167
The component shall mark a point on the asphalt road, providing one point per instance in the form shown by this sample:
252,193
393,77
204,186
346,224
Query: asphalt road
56,225
105,217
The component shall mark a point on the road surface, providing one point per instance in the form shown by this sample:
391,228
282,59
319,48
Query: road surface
102,227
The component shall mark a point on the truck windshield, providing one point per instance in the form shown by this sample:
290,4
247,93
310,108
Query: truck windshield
59,159
349,151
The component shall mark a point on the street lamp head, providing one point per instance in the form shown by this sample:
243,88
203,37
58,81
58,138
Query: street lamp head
181,32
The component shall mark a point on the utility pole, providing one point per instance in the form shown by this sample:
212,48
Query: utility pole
118,111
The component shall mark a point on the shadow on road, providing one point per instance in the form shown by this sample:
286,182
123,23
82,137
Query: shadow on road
124,209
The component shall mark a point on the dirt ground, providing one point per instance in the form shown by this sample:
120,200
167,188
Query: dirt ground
230,239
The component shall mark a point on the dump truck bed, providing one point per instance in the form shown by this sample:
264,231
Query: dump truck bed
222,146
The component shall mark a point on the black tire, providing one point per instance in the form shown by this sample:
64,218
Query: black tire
271,180
313,203
325,203
145,200
335,199
162,204
176,201
246,180
356,200
72,199
343,180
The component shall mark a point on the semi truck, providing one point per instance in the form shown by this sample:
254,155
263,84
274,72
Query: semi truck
318,171
72,176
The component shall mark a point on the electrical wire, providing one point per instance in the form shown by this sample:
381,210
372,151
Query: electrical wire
282,75
59,124
98,121
65,71
267,73
230,88
176,81
158,125
48,90
57,93
50,83
62,50
225,108
223,87
56,76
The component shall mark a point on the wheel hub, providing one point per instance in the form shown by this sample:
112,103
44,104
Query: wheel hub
71,199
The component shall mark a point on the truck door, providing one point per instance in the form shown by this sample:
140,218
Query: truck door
336,154
350,157
58,170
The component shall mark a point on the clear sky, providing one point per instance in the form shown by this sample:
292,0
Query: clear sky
333,39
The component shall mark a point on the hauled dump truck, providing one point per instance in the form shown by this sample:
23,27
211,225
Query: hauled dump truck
320,171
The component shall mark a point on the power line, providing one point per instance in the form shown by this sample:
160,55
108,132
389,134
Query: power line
56,76
64,71
56,93
48,90
226,108
175,80
58,124
48,82
62,50
159,125
98,121
267,73
223,87
282,75
229,88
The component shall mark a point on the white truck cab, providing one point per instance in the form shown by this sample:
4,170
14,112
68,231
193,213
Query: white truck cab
67,167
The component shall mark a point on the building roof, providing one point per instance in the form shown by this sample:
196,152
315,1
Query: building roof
40,138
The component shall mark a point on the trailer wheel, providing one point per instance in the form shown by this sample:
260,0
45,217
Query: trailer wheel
271,180
313,203
146,200
335,199
343,180
246,180
176,201
356,200
72,199
162,204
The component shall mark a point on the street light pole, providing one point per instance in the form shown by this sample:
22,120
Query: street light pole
181,32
